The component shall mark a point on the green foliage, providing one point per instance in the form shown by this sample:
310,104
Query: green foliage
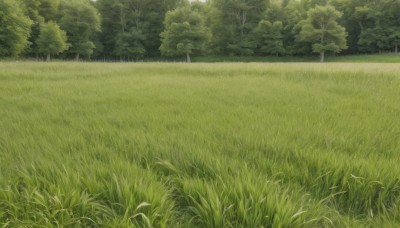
42,9
14,28
131,29
184,33
130,44
270,38
199,145
138,19
233,24
80,20
351,22
39,11
49,9
321,29
377,25
52,40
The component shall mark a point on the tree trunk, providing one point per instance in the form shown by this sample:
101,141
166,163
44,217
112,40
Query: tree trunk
77,57
48,58
322,56
396,49
188,58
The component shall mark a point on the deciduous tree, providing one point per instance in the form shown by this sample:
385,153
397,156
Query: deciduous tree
80,20
39,11
136,24
184,33
52,40
15,28
233,25
270,38
322,30
130,44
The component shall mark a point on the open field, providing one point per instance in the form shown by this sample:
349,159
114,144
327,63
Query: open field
199,145
367,58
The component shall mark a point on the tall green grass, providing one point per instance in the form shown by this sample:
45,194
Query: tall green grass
199,145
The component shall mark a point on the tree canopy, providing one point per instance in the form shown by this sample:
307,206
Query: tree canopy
270,38
80,20
129,30
14,28
52,40
184,33
321,29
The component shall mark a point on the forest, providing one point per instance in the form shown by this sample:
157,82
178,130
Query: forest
134,30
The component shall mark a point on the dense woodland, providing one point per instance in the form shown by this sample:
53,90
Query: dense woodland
132,30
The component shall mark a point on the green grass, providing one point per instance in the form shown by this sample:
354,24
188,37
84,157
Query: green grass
371,58
375,58
199,145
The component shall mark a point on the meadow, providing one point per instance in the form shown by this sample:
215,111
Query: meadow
362,58
199,145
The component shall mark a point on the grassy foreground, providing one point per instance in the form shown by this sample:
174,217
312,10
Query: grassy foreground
199,145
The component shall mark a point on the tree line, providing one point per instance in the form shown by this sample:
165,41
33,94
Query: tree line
131,30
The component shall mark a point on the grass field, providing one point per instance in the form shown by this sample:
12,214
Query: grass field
367,58
199,145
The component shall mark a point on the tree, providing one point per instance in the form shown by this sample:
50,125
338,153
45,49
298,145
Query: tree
394,37
52,40
133,22
351,21
294,12
184,33
391,24
372,36
270,37
130,44
39,11
373,39
321,29
233,25
80,20
15,28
